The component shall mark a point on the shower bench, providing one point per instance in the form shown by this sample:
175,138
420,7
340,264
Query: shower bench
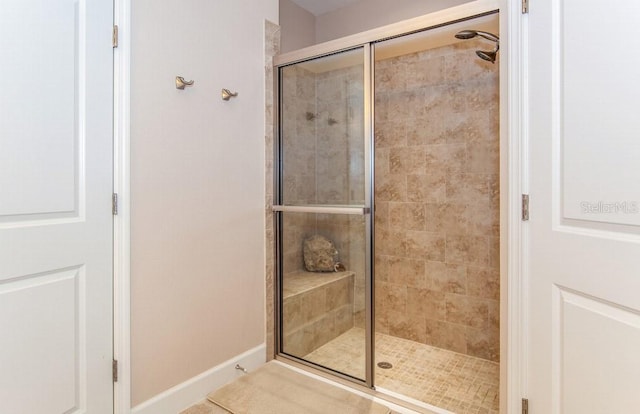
317,308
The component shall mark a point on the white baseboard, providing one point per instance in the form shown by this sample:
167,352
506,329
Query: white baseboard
196,389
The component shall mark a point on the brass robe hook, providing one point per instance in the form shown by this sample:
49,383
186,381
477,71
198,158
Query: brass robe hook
181,83
227,94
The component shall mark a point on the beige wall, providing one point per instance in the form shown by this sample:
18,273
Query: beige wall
197,276
298,27
369,14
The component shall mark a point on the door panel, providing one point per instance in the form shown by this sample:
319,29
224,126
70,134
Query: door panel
54,328
55,206
584,229
323,313
322,205
598,124
588,330
322,147
41,77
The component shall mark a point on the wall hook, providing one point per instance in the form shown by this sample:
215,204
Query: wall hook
181,83
227,94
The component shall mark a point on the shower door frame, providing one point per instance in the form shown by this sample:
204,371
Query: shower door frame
367,40
366,210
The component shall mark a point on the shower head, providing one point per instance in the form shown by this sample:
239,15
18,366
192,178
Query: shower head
466,34
489,56
470,34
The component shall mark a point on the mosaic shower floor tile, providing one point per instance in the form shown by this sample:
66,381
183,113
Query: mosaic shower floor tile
456,382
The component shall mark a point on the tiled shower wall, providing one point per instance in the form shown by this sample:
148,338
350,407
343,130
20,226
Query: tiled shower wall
437,199
272,47
322,132
299,161
340,154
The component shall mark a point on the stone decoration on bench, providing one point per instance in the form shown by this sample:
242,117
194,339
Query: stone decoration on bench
320,255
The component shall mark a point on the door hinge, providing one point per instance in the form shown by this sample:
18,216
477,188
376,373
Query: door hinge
525,207
114,204
525,406
525,6
115,370
114,37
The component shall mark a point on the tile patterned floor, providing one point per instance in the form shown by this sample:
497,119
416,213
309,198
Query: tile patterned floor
456,382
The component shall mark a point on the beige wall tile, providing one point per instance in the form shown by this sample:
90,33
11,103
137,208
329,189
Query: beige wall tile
359,295
466,310
292,315
446,335
402,271
467,249
421,73
437,198
382,214
405,106
391,187
428,188
483,282
447,157
344,319
313,304
407,216
407,160
483,343
312,318
446,277
382,321
394,298
483,158
382,161
382,267
466,127
391,79
494,252
390,242
391,133
426,130
430,246
407,327
425,303
494,316
339,294
447,218
467,188
464,70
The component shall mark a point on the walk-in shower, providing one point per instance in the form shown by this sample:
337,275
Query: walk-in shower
387,215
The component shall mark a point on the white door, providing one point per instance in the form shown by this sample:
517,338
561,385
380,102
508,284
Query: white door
584,280
56,94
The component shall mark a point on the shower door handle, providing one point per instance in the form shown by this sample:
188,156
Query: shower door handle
318,209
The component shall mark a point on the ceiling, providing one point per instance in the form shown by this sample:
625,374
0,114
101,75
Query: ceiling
318,7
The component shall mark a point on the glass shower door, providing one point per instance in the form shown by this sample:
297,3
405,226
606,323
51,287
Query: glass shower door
323,214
